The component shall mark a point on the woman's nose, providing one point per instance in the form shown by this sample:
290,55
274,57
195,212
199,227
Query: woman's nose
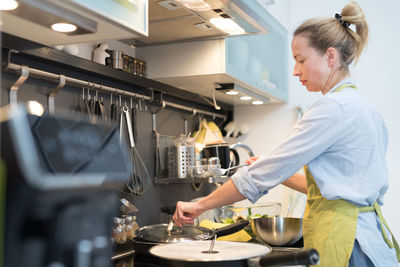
296,71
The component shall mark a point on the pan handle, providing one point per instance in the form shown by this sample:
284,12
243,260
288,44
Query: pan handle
230,229
307,257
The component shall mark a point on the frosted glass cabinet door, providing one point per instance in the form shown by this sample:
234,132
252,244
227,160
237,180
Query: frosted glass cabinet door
130,14
259,60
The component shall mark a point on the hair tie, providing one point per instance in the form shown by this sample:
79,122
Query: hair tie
343,22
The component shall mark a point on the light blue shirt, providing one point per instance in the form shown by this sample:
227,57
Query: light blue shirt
343,140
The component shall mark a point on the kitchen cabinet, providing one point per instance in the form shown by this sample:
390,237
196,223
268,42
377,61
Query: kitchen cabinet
96,21
255,65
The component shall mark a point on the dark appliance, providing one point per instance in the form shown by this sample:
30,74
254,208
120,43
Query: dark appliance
63,177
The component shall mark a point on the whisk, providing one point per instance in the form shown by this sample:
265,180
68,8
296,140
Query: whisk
140,179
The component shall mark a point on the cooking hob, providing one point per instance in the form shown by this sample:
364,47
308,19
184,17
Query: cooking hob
128,258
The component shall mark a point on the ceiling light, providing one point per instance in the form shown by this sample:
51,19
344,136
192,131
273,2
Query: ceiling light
195,5
232,92
63,27
227,25
8,4
257,102
245,98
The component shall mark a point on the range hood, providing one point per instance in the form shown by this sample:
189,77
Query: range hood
165,21
170,21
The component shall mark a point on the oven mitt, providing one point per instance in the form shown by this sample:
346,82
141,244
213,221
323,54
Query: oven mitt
241,236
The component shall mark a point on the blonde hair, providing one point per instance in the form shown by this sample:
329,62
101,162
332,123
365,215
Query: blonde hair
334,32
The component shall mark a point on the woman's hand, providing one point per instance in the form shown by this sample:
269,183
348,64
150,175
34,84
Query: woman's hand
251,160
186,212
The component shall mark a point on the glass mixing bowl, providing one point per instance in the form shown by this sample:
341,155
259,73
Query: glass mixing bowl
245,211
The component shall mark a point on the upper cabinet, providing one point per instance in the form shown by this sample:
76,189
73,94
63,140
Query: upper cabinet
95,21
254,65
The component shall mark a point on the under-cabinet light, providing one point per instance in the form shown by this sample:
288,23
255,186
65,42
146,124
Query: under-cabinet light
232,92
227,25
245,98
63,27
257,102
8,4
195,5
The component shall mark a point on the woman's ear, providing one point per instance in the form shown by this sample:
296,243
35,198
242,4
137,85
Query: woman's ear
332,56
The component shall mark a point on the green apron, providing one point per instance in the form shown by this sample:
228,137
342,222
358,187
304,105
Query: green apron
329,226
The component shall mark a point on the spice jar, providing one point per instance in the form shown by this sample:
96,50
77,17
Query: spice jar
119,232
131,226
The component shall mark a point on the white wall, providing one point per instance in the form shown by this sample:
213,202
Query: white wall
376,75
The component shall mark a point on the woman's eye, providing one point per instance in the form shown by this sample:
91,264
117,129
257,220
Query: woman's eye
301,61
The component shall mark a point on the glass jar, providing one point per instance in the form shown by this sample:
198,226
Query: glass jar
119,233
131,226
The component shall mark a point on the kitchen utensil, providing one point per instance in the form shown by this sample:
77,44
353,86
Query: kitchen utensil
113,109
230,254
158,233
180,160
140,179
221,171
134,119
278,231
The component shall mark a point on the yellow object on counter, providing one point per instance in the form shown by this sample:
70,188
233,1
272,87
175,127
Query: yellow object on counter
241,236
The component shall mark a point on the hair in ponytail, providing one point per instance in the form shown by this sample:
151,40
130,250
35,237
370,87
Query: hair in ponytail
335,32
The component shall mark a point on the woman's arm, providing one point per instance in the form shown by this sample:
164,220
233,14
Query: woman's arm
297,182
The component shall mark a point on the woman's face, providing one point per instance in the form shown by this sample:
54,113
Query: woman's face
311,67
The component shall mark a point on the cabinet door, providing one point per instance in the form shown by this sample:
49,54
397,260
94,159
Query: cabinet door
259,60
129,14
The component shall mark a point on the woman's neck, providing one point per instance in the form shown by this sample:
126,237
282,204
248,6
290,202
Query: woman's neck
335,79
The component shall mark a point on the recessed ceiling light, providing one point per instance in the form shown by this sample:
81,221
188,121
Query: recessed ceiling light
232,92
63,27
245,98
257,102
8,4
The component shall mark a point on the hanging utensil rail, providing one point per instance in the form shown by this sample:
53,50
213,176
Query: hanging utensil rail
104,88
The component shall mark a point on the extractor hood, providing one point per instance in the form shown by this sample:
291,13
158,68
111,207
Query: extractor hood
171,21
161,21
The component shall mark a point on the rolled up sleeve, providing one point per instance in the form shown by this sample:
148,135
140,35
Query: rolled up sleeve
320,127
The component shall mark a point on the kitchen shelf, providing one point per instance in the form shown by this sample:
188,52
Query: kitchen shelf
210,180
43,57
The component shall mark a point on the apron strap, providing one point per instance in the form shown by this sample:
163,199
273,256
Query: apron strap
340,88
383,222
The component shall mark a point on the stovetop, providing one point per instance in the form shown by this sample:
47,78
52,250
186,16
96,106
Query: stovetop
125,256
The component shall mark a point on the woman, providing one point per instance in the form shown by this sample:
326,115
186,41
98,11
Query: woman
341,141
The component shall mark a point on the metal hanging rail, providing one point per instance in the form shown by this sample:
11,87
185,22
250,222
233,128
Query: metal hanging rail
104,88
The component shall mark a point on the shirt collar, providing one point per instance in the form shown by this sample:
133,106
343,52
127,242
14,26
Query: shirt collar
344,81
